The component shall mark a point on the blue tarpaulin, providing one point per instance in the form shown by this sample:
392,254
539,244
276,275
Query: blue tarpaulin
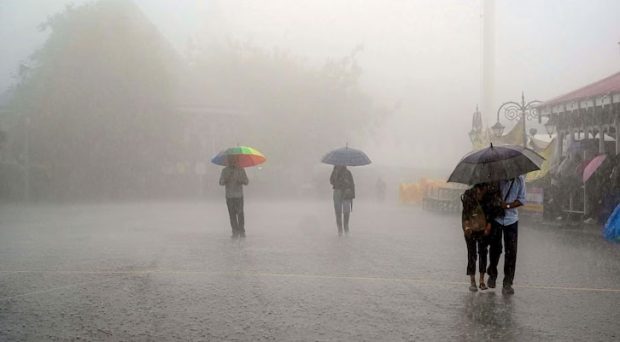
612,227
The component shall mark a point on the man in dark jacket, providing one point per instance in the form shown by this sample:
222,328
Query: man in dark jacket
344,192
233,178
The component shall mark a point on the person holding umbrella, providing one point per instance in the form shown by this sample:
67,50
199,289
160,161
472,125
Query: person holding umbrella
233,178
506,166
513,196
342,182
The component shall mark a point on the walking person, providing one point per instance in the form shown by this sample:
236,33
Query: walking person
233,178
476,229
512,194
341,180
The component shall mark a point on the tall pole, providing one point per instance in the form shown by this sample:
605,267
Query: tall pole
27,159
524,131
523,114
488,56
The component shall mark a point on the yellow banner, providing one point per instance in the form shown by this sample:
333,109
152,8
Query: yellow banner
514,137
548,154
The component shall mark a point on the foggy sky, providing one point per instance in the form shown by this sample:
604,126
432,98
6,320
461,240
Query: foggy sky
424,54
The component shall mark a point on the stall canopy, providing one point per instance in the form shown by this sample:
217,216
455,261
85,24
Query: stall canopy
608,85
590,112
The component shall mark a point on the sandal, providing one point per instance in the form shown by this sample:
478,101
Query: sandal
483,286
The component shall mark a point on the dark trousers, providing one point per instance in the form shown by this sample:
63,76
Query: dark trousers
235,211
477,246
510,233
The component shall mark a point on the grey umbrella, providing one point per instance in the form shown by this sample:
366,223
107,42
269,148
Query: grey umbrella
495,163
346,156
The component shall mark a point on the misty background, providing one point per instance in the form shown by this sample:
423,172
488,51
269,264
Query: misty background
118,98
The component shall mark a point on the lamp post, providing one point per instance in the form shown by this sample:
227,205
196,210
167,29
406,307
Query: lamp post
514,111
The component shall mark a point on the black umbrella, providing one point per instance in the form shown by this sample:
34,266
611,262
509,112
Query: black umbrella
495,163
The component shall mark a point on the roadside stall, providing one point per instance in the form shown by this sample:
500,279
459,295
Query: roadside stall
443,197
586,122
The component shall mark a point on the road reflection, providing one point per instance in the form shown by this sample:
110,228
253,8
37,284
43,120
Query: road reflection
488,316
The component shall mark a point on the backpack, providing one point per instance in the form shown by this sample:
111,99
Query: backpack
345,179
472,212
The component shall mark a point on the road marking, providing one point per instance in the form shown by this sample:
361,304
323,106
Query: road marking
287,275
48,290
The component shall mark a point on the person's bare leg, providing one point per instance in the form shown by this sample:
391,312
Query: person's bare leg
472,286
483,286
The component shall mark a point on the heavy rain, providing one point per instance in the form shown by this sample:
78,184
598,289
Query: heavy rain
235,170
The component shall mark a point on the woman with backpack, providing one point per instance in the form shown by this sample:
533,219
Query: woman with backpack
476,228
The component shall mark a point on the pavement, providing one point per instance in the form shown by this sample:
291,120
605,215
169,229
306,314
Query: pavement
168,271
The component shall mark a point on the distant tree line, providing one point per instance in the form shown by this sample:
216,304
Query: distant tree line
98,104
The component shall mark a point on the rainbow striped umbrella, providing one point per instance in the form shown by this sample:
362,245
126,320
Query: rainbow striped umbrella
241,156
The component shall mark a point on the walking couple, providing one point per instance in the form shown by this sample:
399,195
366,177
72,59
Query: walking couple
490,213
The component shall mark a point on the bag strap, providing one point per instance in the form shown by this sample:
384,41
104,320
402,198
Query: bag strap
509,188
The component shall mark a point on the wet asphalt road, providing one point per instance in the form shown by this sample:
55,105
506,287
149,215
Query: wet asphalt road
169,271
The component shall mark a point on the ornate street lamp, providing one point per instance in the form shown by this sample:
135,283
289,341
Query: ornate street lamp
498,129
516,111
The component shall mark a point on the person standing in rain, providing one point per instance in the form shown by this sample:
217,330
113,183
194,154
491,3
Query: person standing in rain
341,180
512,194
233,178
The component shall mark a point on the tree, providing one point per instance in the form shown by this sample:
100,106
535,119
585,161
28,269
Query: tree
99,96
